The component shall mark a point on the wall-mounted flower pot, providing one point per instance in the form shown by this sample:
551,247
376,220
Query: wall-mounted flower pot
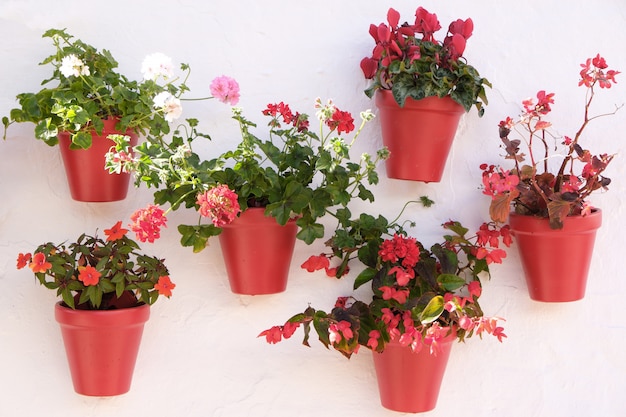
87,178
556,261
102,347
257,252
409,382
419,135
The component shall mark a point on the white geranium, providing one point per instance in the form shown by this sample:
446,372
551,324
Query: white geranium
72,65
169,104
157,65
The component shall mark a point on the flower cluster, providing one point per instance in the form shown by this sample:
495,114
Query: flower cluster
408,60
93,274
420,296
220,204
537,187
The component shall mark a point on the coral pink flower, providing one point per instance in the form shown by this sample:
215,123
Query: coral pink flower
23,259
392,293
272,335
339,331
88,275
116,232
39,263
315,263
372,342
289,329
165,286
147,223
220,204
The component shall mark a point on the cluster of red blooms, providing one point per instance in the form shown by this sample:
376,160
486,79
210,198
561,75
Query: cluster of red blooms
283,110
399,43
147,223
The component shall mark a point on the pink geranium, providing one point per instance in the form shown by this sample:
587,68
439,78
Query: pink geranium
220,204
147,223
225,89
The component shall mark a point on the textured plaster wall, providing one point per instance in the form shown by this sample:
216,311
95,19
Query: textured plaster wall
200,356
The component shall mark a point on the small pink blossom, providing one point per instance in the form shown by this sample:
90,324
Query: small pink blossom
372,342
220,203
225,89
272,335
147,223
339,331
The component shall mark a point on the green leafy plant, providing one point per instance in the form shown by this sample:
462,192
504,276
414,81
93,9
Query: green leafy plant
88,89
96,274
293,173
547,180
419,295
409,61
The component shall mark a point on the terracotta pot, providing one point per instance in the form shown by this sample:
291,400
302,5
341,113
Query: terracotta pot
87,178
409,382
257,252
555,261
102,347
418,135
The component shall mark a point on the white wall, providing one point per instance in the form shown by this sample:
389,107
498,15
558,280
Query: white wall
200,355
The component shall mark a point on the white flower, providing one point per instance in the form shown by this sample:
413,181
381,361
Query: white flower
157,65
72,65
367,115
169,104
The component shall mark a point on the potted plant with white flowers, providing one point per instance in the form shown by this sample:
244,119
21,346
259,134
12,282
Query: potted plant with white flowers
85,99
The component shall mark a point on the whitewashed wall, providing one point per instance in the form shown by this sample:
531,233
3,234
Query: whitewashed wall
200,356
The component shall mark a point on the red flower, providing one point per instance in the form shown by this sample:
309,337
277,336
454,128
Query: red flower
426,23
342,121
165,286
39,263
315,263
22,260
88,275
272,335
147,223
289,329
116,232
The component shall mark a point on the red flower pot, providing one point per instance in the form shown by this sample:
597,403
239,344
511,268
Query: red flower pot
87,178
555,261
418,135
257,252
409,382
101,347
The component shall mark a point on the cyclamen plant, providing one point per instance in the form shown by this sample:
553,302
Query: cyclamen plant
295,173
89,90
532,188
97,274
420,296
409,61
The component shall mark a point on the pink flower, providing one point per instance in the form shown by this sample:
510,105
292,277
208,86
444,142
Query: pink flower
225,89
315,263
289,329
372,342
339,331
220,203
147,223
272,335
403,276
392,293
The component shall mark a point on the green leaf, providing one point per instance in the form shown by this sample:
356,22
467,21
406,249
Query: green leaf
81,140
364,277
433,310
450,282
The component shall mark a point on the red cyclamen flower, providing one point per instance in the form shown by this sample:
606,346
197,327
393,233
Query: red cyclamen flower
147,223
220,204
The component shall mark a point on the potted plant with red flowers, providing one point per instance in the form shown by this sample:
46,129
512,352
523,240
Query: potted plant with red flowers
422,300
422,87
276,185
544,195
106,287
85,99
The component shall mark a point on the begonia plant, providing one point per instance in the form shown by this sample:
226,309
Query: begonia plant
552,175
419,295
86,88
291,171
102,273
409,61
